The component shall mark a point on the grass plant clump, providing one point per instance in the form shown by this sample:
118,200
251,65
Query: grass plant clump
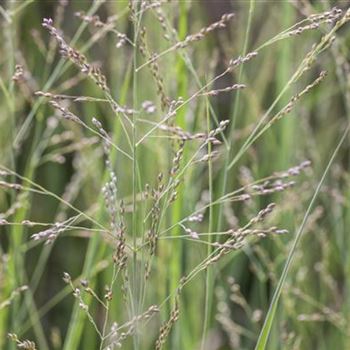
173,175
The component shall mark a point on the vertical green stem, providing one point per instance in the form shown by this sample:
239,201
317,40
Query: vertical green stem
209,281
234,117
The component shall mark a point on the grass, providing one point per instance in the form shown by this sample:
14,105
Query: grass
154,186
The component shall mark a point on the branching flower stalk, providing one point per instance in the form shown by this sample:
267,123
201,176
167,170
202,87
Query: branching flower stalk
147,191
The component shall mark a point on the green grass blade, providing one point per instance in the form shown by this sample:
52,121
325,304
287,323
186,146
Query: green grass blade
264,334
